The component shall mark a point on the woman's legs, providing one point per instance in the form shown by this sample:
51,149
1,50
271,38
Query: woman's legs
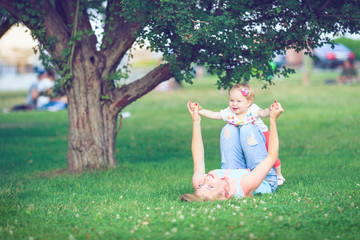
252,141
232,156
243,148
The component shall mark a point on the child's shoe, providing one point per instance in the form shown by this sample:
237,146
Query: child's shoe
280,180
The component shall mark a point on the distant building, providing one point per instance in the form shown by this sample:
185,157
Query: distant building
16,50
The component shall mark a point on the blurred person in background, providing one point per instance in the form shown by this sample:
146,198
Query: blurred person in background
348,74
44,88
42,83
41,95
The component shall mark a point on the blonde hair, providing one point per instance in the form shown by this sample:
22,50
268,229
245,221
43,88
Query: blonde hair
240,86
193,197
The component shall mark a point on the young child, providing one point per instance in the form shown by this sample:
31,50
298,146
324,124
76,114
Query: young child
242,111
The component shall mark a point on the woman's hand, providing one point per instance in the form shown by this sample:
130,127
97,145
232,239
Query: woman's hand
194,111
275,110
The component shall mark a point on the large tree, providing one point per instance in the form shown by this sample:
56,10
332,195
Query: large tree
234,39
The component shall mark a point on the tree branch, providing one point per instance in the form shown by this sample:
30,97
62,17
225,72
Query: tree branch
51,21
323,7
53,26
130,92
69,10
5,24
120,35
10,8
74,31
65,9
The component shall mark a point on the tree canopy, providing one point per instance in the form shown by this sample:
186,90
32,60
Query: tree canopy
233,39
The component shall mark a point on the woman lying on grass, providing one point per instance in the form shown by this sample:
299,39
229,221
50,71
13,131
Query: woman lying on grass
244,148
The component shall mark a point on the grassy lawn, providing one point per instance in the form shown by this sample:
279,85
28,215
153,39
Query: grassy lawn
319,151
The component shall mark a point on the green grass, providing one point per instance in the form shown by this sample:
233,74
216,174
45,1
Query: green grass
319,150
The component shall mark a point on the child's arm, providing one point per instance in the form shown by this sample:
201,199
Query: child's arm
263,113
204,112
210,114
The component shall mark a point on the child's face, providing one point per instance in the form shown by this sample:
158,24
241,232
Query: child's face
238,102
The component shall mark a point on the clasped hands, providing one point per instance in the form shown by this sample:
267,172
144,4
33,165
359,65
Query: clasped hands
194,111
275,110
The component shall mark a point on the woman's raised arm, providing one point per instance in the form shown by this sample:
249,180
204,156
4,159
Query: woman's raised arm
253,180
197,146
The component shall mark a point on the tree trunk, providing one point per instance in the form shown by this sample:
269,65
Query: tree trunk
92,132
92,125
92,121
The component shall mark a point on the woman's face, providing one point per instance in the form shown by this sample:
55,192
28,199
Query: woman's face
211,187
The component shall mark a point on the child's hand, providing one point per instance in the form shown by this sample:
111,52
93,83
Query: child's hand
275,110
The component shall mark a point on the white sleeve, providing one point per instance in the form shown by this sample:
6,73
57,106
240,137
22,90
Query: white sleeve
254,109
225,113
45,84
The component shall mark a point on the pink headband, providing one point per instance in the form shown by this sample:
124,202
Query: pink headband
244,92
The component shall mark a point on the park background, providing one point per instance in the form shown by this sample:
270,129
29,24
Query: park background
319,150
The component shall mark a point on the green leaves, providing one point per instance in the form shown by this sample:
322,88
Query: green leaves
105,97
234,39
66,53
230,39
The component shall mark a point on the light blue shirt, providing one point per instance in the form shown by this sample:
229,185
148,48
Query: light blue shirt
237,174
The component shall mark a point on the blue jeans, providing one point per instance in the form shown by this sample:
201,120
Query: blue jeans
54,106
244,147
